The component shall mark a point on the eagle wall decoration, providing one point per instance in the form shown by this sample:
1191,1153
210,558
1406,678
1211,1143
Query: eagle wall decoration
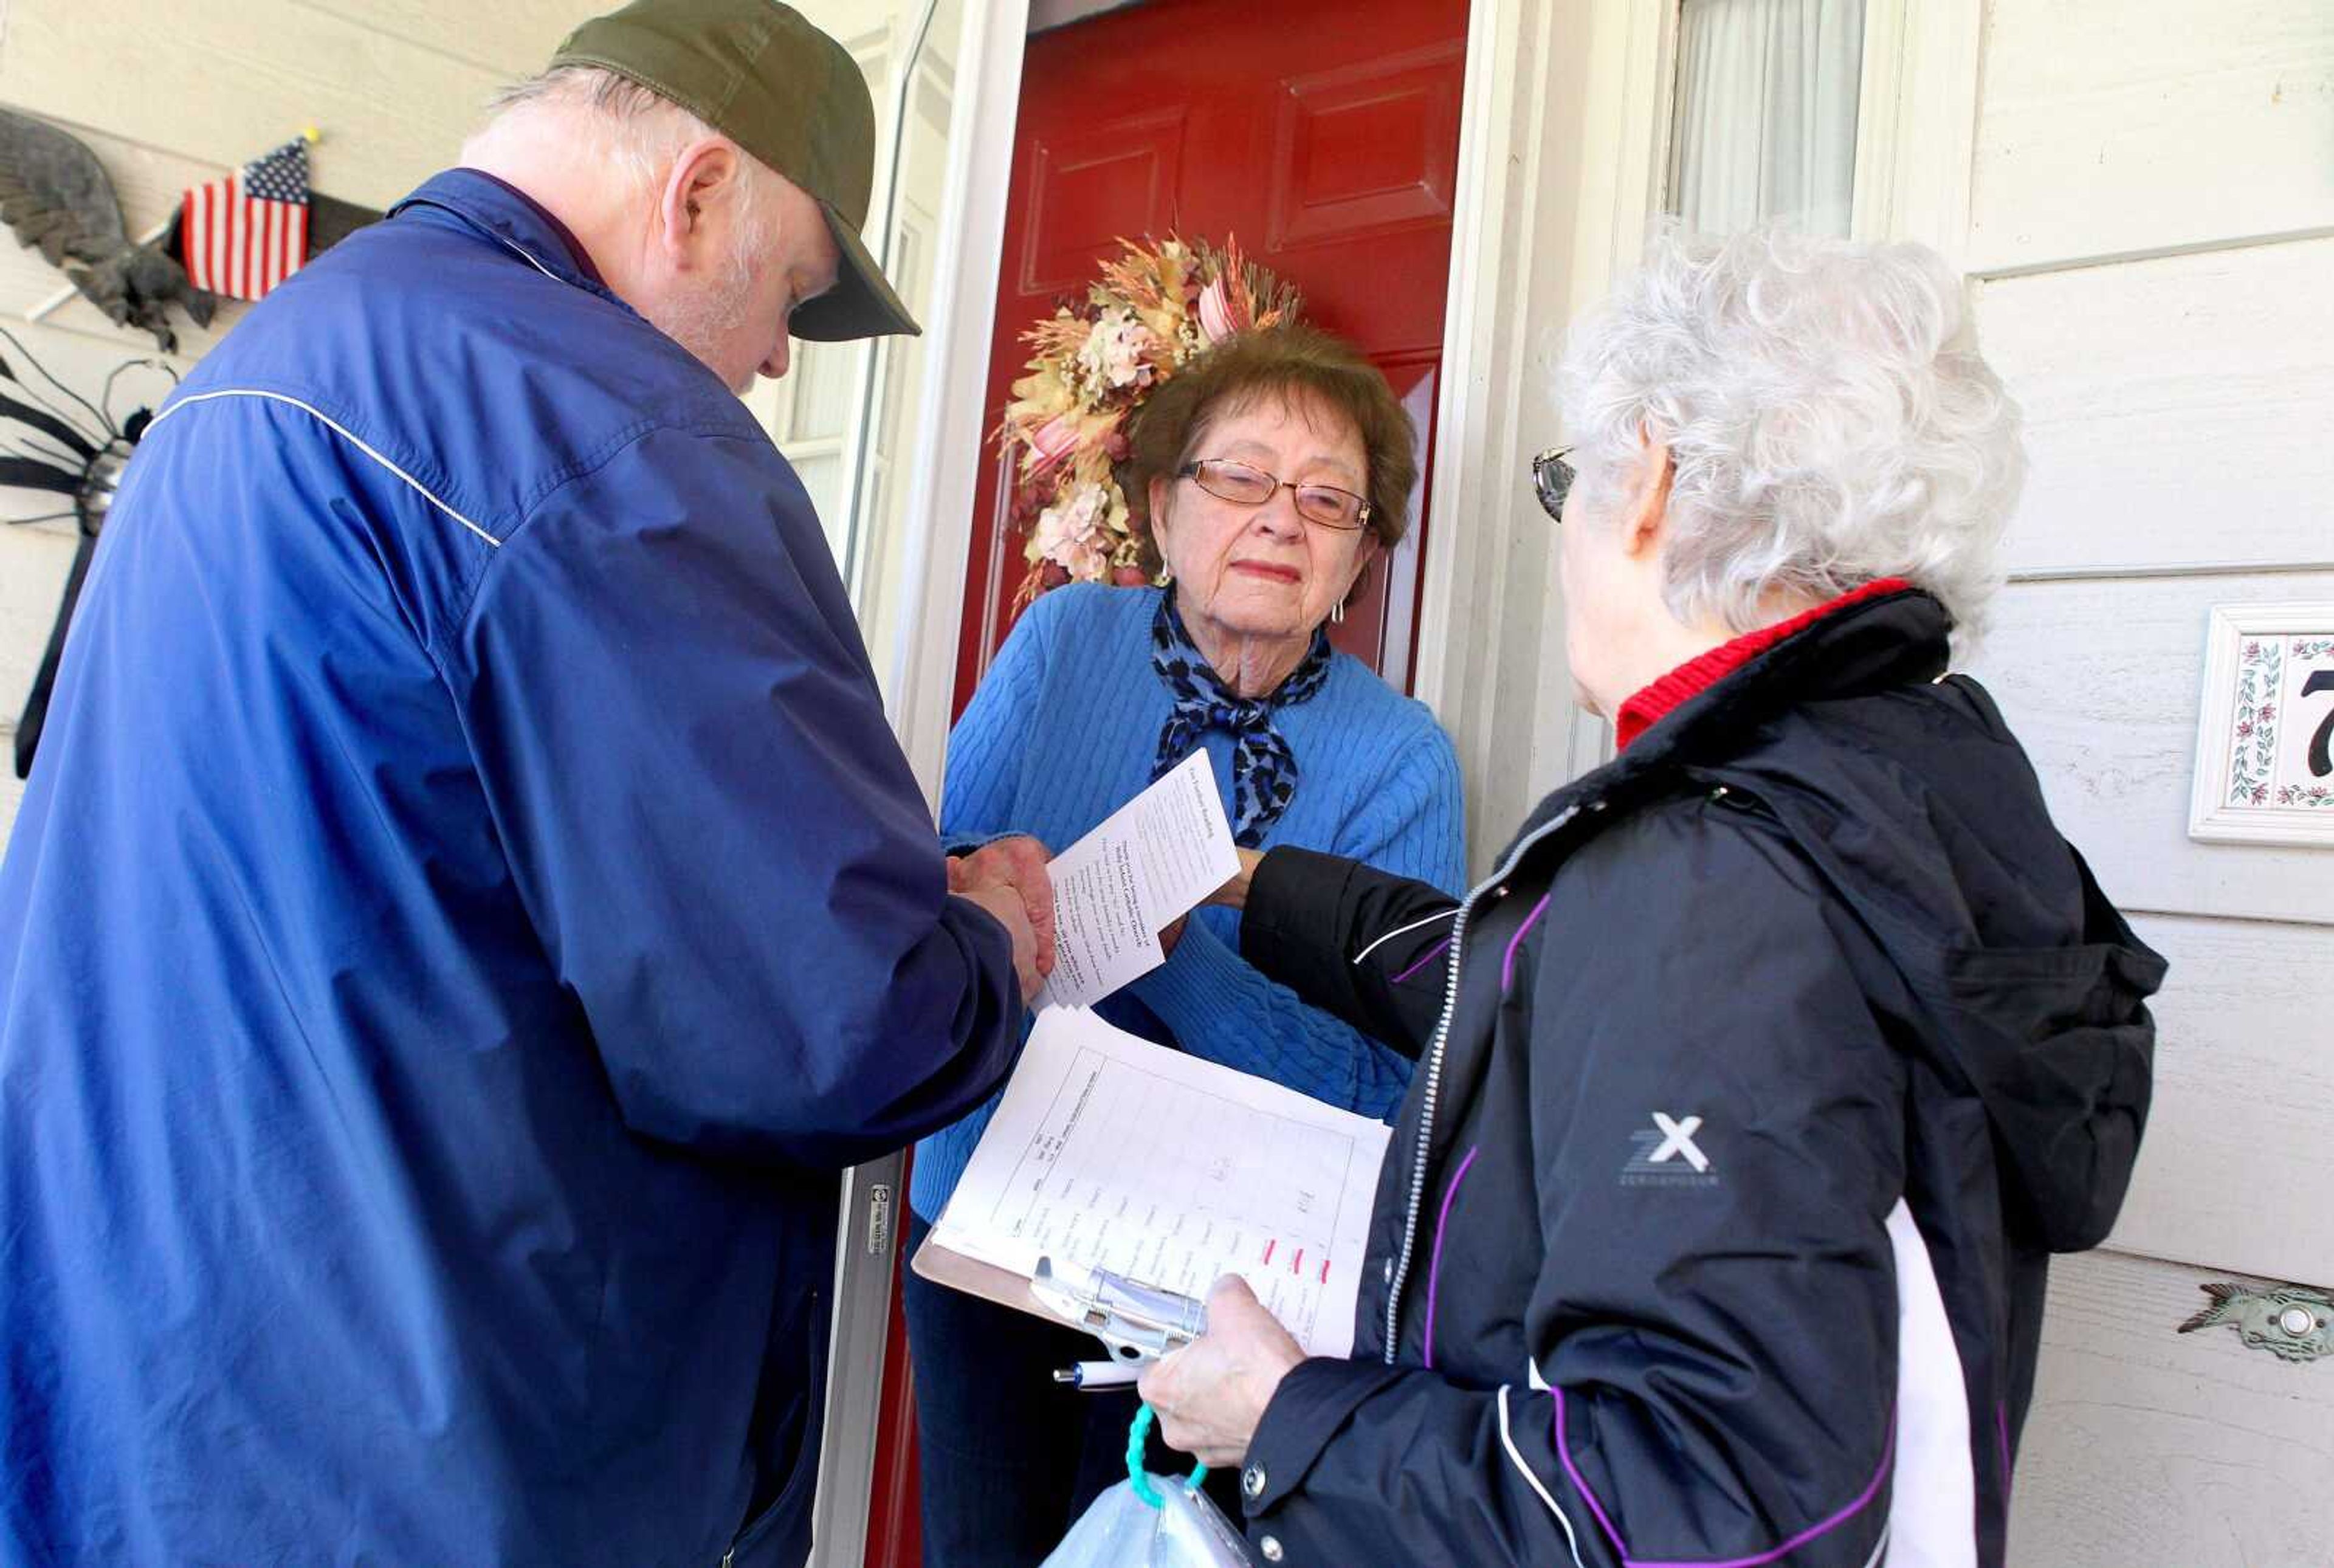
56,195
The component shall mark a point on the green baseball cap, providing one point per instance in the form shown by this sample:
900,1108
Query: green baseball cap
760,74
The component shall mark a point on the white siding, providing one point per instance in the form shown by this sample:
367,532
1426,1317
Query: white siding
2110,127
393,87
2148,1448
2245,1102
2178,410
2179,402
2101,679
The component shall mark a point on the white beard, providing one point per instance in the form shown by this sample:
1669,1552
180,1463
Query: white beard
705,317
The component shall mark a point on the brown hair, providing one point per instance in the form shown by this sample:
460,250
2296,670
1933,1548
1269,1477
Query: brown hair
1294,363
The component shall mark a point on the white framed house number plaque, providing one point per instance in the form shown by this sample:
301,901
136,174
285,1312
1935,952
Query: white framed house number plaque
2265,734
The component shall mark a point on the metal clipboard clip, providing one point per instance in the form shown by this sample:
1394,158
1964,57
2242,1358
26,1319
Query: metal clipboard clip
1137,1323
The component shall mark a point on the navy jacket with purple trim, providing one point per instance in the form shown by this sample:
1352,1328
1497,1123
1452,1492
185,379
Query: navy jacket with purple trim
469,905
1757,1086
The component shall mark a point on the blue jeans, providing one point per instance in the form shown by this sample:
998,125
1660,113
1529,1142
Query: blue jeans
1010,1457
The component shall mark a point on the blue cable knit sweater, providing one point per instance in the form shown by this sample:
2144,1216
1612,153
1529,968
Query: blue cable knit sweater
1064,731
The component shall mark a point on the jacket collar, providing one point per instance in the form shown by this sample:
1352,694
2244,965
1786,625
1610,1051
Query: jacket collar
1890,639
1696,676
511,219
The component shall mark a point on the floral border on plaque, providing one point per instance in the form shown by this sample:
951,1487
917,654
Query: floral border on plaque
2253,758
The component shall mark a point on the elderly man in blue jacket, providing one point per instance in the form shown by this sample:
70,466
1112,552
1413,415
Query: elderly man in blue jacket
469,902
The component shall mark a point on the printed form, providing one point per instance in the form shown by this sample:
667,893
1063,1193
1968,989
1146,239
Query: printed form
1117,889
1111,1152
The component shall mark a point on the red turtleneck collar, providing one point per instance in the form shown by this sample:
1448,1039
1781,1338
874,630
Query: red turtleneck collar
1699,674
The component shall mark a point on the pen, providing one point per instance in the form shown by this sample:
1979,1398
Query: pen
1098,1374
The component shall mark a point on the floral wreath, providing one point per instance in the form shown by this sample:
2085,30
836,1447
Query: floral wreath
1153,311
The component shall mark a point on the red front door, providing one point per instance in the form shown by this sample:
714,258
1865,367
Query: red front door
1321,134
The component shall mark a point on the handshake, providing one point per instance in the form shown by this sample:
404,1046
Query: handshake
1008,878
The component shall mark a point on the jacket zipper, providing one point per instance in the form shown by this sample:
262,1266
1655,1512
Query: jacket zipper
1435,1070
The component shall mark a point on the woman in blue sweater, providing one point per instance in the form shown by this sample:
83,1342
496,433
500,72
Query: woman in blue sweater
1268,475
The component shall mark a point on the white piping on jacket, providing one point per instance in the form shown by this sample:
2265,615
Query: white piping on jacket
1381,941
526,255
345,433
1508,1442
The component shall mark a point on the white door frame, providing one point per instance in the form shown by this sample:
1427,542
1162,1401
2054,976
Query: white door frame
1563,140
943,469
1916,122
951,422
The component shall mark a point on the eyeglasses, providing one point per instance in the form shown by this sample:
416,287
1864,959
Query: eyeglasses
1552,476
1243,486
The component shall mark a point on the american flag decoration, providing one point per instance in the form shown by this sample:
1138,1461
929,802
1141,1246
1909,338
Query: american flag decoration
244,235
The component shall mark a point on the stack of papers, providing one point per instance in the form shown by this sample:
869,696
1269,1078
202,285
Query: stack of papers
1109,1152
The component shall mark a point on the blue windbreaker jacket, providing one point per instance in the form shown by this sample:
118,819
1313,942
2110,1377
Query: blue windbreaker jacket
467,906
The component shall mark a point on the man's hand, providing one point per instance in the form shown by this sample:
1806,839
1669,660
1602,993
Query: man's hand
1211,1395
1018,862
1006,905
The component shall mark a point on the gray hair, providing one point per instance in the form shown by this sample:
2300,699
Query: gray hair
1829,423
634,131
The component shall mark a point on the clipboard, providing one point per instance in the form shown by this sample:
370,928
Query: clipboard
1135,1323
1117,1181
937,1264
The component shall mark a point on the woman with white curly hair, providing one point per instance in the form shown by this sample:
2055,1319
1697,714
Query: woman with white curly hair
1758,1081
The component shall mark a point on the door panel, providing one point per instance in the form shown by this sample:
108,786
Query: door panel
1367,150
1086,189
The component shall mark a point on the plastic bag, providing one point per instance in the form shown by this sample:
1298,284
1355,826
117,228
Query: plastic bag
1149,1521
1122,1531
